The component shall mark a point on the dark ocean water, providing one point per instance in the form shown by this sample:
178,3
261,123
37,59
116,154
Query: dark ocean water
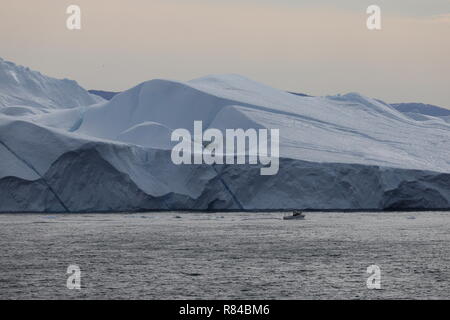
225,256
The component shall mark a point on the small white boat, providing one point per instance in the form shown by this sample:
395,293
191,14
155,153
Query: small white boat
296,215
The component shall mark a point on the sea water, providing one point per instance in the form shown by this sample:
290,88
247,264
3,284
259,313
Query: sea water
225,255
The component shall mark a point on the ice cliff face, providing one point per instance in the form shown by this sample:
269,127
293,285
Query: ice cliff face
340,152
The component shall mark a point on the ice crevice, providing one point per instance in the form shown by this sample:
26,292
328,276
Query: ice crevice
233,196
31,167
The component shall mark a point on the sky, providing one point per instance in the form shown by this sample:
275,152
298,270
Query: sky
319,47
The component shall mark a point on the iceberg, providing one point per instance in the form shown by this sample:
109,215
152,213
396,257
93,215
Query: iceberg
24,91
62,150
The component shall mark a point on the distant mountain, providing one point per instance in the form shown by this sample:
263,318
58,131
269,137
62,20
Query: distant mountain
299,94
421,108
107,95
26,91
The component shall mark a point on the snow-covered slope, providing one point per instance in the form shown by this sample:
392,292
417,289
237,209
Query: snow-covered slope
349,128
340,152
23,91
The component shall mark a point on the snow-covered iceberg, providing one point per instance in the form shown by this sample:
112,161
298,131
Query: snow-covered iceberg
24,91
337,152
